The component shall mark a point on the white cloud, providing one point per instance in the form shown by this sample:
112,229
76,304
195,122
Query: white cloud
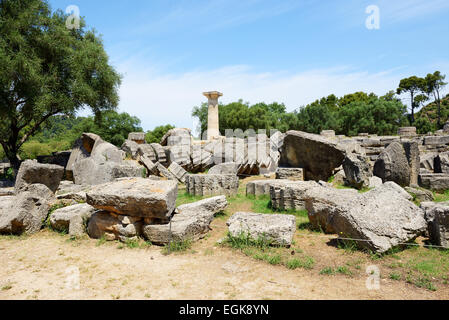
161,99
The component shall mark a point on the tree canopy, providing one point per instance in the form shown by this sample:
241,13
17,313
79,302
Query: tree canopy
47,70
349,115
155,135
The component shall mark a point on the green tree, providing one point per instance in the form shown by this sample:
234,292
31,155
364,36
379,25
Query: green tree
111,126
319,115
434,84
47,70
376,115
155,135
412,85
423,125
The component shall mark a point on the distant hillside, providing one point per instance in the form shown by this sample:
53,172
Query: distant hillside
430,112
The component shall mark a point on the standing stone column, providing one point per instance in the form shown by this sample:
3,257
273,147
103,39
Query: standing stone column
213,129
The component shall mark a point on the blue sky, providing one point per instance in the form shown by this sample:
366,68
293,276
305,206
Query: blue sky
294,52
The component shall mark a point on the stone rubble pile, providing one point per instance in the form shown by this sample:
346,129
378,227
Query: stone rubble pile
212,184
27,210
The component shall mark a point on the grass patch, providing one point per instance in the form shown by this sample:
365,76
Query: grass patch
305,262
327,271
177,247
441,197
263,250
6,287
185,198
101,241
243,241
343,270
395,276
422,282
135,244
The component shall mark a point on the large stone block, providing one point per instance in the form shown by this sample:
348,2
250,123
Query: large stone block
377,220
212,184
26,212
400,163
114,227
72,219
136,197
289,195
438,182
294,174
225,168
90,172
32,172
437,217
357,171
317,155
278,229
192,222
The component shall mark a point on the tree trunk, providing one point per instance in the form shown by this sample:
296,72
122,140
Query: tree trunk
439,110
413,108
11,154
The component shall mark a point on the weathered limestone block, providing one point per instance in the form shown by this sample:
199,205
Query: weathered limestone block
160,153
72,219
178,172
210,185
357,171
289,196
428,161
421,195
81,150
192,222
147,151
278,229
437,217
26,212
31,172
407,131
180,154
436,140
137,137
400,163
225,168
294,174
262,187
318,156
438,182
177,136
441,163
106,152
371,143
131,147
114,227
136,197
90,172
150,165
375,182
382,218
164,172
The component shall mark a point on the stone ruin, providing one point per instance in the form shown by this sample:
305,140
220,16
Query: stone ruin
122,194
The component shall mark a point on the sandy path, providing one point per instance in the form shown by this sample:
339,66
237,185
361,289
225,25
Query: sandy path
35,268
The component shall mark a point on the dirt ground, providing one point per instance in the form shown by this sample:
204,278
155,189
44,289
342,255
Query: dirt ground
40,267
49,265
